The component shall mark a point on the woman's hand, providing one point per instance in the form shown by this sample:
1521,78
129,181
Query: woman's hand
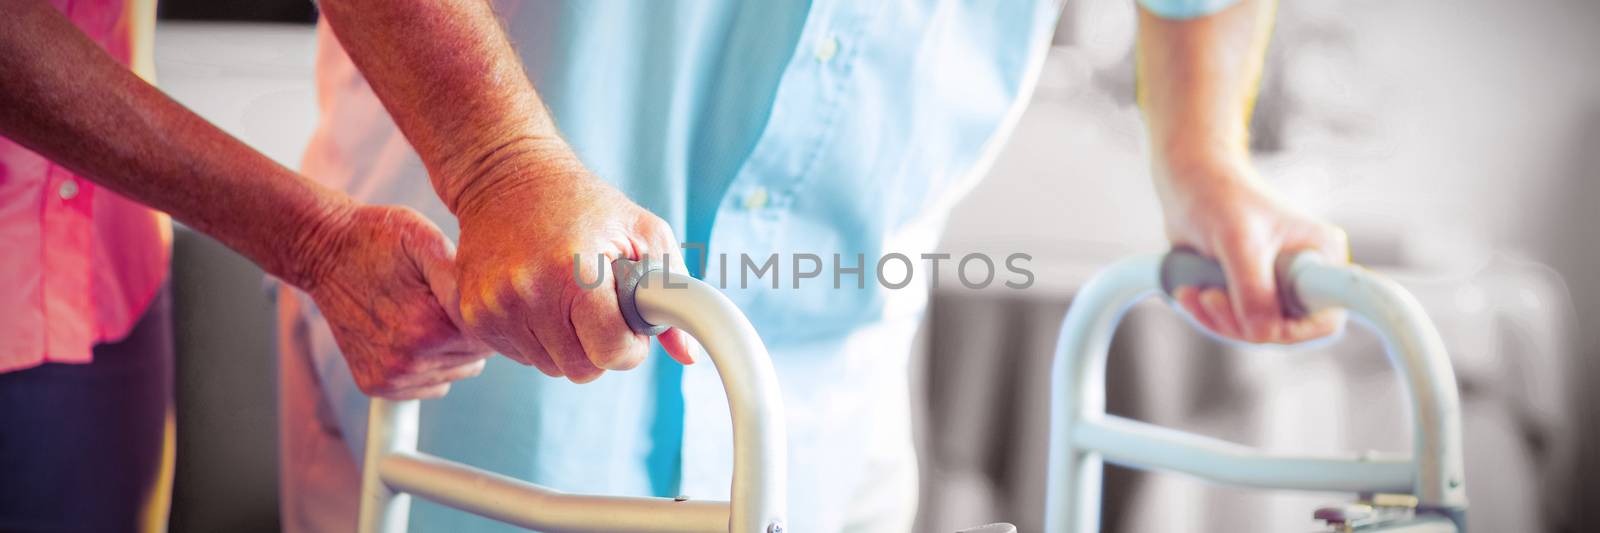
386,285
1218,207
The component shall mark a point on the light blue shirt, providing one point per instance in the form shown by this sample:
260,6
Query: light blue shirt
834,127
1185,9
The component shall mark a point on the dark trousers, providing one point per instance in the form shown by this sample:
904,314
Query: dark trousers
82,446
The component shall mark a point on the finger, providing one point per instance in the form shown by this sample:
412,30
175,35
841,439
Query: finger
674,259
658,241
523,313
439,360
436,257
414,379
456,344
536,358
672,255
487,311
486,315
1252,288
1331,243
570,359
676,343
420,393
1189,299
539,359
543,314
561,342
432,342
1217,306
1321,324
493,341
546,365
1334,244
603,334
458,372
450,375
462,346
379,386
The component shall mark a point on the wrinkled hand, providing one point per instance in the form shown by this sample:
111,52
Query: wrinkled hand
388,291
1220,209
521,293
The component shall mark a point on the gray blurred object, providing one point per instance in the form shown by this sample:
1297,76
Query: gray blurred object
226,474
1570,239
255,82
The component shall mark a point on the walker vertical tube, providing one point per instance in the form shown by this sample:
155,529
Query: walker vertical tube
760,486
1077,391
391,428
1417,353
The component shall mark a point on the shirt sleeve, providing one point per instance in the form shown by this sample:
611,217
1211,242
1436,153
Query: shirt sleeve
1185,9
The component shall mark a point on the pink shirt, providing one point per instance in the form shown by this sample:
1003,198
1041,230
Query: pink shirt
78,264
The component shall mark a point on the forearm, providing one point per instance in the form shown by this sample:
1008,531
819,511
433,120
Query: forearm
449,76
1197,83
65,98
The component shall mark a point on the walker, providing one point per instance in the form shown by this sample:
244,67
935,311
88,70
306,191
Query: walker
1425,492
1422,494
393,470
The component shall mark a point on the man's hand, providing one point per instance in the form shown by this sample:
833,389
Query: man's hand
387,288
1221,210
526,204
522,226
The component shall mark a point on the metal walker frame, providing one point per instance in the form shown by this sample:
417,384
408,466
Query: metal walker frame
1083,436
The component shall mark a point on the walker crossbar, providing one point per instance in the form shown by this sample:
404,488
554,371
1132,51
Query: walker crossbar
1082,435
1137,444
394,470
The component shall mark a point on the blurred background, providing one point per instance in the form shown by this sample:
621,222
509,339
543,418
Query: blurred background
1458,142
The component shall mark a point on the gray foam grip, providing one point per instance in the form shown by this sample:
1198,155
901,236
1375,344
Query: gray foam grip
629,273
1184,267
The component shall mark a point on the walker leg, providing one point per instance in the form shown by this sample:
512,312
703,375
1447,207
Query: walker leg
391,427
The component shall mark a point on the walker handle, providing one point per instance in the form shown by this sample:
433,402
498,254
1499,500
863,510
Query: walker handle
1184,267
650,300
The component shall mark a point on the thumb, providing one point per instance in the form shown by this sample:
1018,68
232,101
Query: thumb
435,257
1252,288
677,344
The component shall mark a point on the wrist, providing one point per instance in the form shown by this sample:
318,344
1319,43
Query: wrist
1191,180
320,236
504,167
1197,162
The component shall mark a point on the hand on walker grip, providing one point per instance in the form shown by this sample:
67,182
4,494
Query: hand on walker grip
521,292
1246,230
